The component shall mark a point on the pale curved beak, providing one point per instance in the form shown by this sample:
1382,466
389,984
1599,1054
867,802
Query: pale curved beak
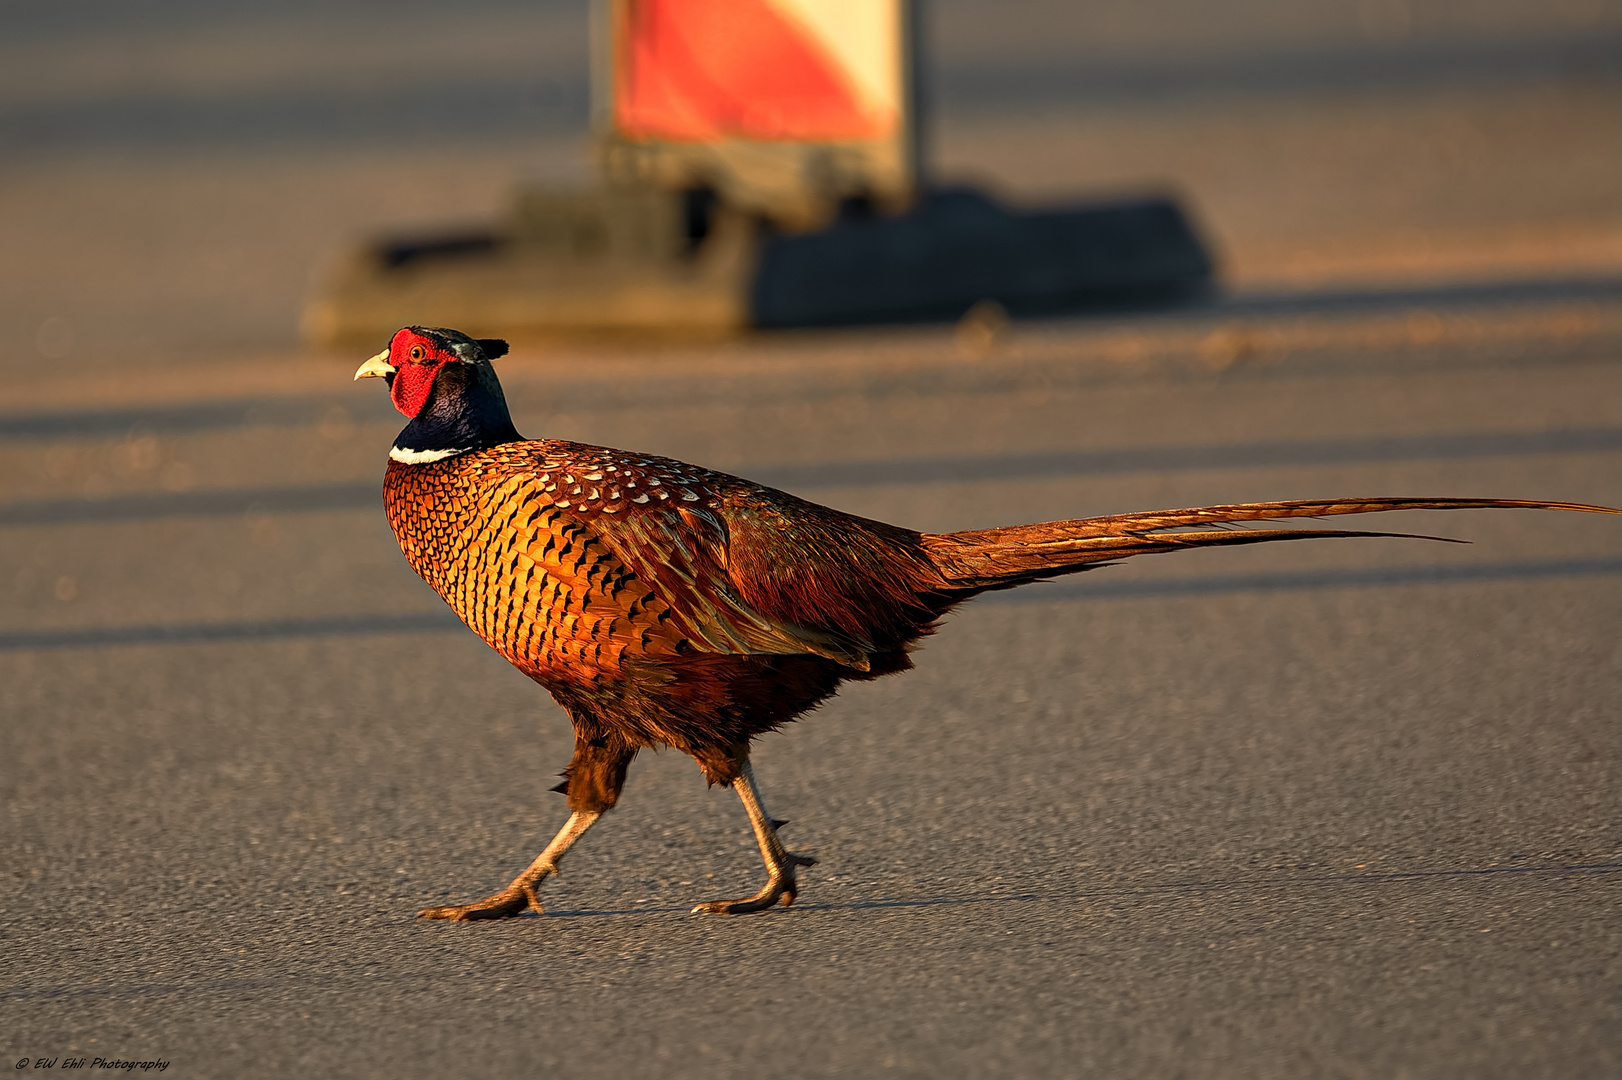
375,368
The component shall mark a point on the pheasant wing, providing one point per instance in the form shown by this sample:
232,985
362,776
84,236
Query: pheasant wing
667,523
684,553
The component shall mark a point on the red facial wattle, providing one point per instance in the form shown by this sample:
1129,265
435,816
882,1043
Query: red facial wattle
413,384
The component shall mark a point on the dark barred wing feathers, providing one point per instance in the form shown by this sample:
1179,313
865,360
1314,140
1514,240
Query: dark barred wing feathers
685,554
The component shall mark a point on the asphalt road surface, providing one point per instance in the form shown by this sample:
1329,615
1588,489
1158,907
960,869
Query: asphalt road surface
1339,808
1336,808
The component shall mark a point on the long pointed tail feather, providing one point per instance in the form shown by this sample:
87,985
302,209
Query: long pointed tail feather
985,559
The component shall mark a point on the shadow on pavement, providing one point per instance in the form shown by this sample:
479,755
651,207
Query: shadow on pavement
1269,884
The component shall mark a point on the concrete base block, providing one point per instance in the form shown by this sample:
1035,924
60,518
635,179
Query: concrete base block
651,262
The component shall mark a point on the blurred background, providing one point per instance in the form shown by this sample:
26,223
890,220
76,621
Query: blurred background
1323,809
177,176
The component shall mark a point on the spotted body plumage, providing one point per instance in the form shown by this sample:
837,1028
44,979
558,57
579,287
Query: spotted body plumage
653,598
662,604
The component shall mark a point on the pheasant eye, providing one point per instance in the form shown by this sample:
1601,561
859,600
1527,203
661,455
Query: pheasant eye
416,353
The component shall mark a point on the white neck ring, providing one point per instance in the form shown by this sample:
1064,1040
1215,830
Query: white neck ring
422,457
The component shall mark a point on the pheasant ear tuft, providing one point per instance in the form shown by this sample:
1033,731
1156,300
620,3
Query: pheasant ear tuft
493,347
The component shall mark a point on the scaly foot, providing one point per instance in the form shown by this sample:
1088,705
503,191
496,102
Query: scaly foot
780,888
515,899
520,896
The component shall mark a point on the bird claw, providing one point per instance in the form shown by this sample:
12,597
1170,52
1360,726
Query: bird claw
779,888
515,899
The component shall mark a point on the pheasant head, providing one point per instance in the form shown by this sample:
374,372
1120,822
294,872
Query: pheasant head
445,385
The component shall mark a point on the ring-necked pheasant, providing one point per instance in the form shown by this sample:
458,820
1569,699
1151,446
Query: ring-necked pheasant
665,604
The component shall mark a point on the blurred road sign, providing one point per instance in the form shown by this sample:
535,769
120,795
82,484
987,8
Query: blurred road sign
761,169
782,107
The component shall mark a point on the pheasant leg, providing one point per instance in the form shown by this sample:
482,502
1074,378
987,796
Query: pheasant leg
520,896
780,862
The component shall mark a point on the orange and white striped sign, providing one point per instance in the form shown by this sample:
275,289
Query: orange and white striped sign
807,70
